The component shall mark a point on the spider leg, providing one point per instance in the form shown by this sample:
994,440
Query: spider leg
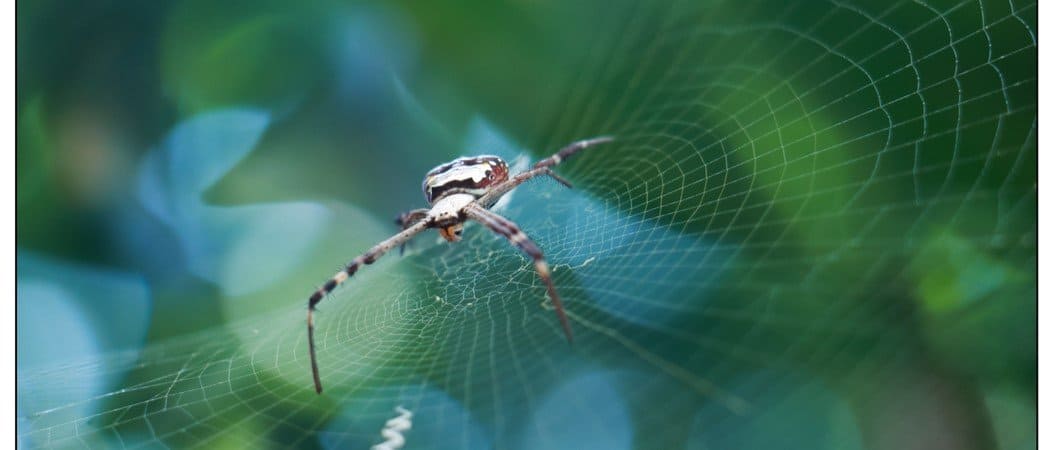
406,219
558,178
504,227
368,257
543,167
570,150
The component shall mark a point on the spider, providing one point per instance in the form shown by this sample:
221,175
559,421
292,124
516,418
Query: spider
457,191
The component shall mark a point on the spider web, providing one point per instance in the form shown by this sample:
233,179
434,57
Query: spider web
786,195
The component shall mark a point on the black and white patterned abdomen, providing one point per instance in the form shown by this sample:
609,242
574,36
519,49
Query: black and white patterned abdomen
467,175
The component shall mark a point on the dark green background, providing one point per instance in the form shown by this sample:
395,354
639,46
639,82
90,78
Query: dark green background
816,228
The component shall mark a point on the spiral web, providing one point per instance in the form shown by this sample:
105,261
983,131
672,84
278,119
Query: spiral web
779,181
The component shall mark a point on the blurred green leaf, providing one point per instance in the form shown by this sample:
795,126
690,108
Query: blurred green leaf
262,54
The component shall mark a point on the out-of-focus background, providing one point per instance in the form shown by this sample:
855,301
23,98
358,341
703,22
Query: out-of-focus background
815,230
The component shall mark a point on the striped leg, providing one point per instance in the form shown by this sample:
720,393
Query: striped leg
504,227
543,167
406,219
368,257
570,150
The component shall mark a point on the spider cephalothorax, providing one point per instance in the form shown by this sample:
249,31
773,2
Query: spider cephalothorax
460,190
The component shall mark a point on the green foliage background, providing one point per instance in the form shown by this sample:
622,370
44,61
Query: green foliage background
816,228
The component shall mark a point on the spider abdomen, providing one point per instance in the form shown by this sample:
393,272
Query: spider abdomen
471,175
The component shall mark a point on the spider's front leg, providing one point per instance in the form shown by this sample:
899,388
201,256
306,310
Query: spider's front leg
504,227
368,257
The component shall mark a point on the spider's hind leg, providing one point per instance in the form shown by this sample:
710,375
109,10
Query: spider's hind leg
558,178
544,165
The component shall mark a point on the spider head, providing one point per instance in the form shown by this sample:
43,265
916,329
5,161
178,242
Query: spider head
467,175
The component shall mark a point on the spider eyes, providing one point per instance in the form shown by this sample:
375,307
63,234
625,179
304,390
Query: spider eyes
491,176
